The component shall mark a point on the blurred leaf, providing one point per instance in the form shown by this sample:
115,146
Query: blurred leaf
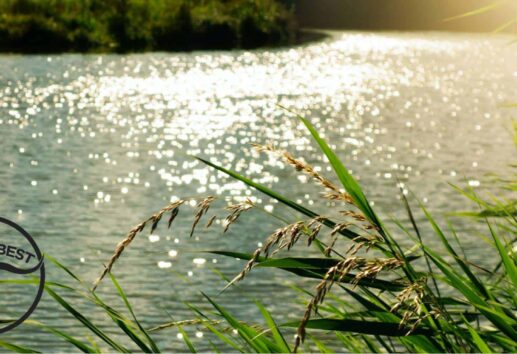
365,327
186,339
16,348
478,11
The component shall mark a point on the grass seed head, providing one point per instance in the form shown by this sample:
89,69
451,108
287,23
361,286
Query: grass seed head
235,212
202,208
122,245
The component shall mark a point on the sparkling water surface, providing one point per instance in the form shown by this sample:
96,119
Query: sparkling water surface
93,144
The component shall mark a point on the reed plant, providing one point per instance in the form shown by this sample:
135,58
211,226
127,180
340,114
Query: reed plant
373,292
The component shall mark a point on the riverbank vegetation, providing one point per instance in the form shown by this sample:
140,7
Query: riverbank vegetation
379,286
138,25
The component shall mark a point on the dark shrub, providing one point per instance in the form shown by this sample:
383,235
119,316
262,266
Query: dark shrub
174,30
32,34
211,35
135,25
251,35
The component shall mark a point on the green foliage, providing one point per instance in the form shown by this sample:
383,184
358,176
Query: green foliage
418,299
436,323
135,25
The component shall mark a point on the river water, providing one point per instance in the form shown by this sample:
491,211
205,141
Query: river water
93,144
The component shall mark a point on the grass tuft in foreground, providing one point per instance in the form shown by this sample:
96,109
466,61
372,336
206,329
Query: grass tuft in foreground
371,293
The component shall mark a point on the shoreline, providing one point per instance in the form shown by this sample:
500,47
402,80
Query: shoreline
303,37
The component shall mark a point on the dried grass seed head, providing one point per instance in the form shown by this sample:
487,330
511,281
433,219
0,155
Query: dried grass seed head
202,208
122,245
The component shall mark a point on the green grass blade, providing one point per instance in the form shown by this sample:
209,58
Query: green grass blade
250,336
68,338
97,331
382,311
122,322
499,319
464,266
480,343
214,347
370,303
509,264
320,345
350,342
301,262
391,329
122,294
95,346
63,267
296,266
186,339
132,334
237,255
224,338
346,179
16,348
75,342
350,279
372,346
504,342
278,337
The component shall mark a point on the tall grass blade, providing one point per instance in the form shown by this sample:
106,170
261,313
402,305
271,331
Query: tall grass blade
250,336
16,348
97,331
509,264
278,337
186,339
464,266
224,338
315,268
68,338
478,11
346,179
480,343
122,294
499,319
392,329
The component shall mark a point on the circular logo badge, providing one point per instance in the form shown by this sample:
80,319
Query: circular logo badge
19,256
